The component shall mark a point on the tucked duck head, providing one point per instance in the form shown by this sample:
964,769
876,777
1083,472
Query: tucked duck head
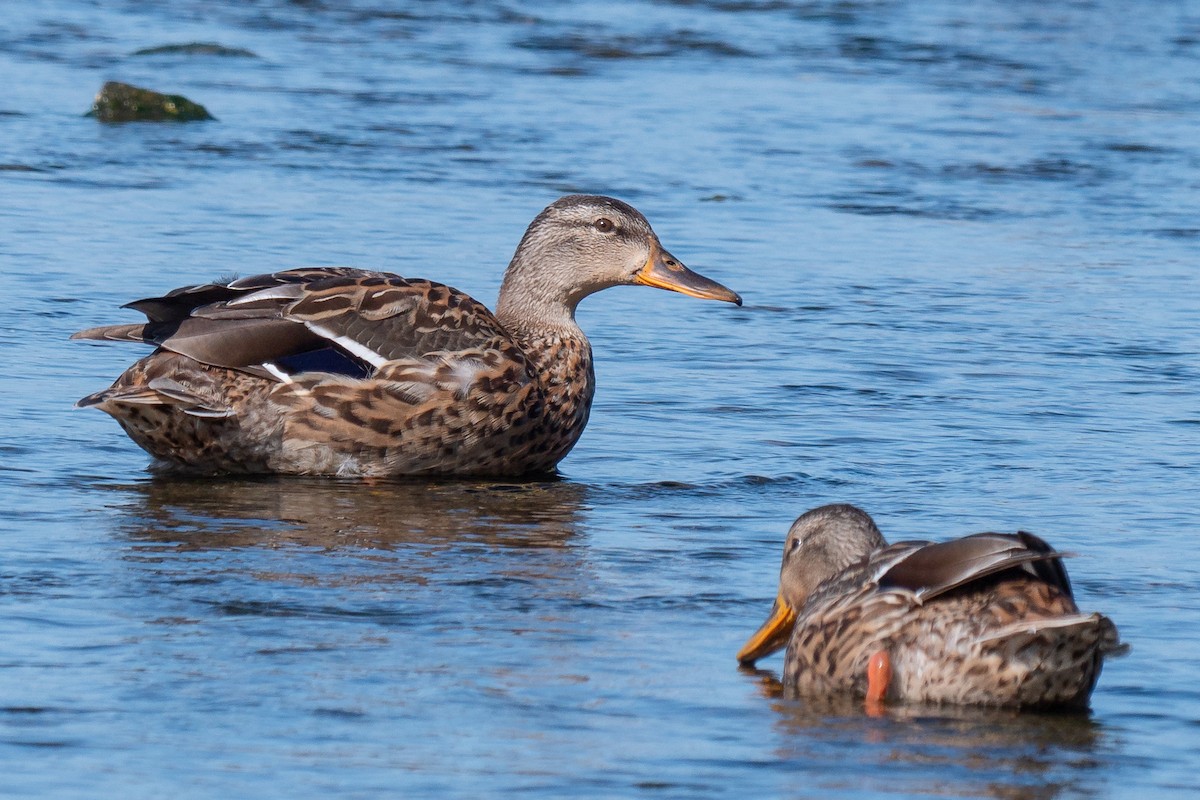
581,244
820,544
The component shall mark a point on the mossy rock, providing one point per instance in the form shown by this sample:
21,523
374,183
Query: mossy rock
196,49
120,102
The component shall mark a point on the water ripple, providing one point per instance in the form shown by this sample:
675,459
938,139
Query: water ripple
967,248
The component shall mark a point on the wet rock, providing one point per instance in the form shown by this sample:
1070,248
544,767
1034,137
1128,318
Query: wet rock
196,49
120,102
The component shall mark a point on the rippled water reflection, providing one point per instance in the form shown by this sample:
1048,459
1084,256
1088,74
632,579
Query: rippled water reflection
966,238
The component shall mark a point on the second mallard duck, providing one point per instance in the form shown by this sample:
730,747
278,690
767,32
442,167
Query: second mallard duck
987,619
338,371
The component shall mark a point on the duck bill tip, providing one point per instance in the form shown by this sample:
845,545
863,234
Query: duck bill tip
771,636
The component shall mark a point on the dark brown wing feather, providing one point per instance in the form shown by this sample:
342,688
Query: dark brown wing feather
931,569
1051,570
239,343
397,317
371,317
179,304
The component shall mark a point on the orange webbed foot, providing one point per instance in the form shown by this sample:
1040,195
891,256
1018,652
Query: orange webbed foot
879,677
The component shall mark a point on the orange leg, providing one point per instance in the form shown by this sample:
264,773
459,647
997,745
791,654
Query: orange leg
879,676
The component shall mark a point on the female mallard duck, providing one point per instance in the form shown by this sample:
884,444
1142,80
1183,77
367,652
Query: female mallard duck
987,619
338,371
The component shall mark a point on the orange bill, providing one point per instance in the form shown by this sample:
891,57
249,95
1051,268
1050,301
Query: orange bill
665,271
772,635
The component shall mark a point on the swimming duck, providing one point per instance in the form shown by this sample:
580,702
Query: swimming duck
340,371
987,619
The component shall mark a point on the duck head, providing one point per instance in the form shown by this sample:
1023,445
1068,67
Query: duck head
820,544
580,244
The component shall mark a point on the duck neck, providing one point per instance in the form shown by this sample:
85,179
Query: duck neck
525,307
538,318
560,355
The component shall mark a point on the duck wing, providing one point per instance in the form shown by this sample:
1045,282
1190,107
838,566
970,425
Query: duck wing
932,569
905,575
327,319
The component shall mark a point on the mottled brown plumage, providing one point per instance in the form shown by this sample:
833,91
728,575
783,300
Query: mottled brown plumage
339,371
987,619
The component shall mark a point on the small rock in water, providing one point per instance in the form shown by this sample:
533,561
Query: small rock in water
196,49
120,102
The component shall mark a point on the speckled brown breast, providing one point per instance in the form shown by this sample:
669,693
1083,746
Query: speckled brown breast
521,415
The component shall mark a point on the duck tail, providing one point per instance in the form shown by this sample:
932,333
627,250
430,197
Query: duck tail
1083,633
114,333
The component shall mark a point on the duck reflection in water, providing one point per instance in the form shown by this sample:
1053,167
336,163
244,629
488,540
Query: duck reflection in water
204,514
939,751
447,584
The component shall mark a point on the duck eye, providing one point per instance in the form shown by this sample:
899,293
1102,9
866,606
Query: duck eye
604,225
794,545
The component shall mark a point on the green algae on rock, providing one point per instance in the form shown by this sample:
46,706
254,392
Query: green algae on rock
120,102
196,49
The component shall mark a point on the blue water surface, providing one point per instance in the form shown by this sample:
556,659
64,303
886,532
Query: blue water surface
966,234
